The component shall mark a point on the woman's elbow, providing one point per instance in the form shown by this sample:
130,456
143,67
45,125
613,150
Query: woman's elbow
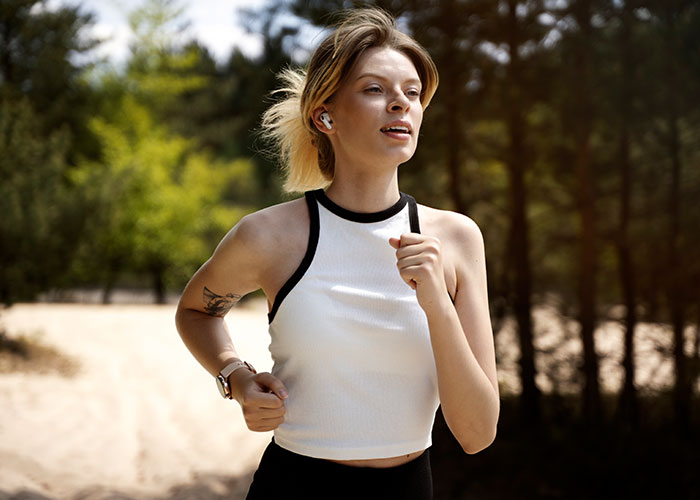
479,442
480,433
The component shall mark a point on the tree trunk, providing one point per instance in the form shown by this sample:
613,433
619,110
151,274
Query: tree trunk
452,82
522,303
6,64
159,291
454,140
628,410
676,295
586,209
110,282
675,290
519,233
695,369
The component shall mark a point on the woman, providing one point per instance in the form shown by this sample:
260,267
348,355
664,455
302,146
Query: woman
378,306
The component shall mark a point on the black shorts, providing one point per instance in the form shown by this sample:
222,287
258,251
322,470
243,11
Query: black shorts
283,474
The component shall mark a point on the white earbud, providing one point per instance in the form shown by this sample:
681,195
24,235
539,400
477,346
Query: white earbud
326,119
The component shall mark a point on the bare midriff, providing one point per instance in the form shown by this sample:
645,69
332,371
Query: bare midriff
381,462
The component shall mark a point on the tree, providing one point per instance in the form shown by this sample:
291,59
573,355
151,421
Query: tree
157,196
515,26
44,104
158,201
39,48
41,215
162,66
676,23
577,104
625,98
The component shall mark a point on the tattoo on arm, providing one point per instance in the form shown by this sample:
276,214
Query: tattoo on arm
218,305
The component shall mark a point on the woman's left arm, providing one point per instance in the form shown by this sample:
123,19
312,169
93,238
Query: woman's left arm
460,333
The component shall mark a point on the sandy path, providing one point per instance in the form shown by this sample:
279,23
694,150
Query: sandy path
140,420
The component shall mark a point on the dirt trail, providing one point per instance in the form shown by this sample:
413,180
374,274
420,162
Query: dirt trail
139,420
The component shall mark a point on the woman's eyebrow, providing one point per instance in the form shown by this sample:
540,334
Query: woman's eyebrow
380,77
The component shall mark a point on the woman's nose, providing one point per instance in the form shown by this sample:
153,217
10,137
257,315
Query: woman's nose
399,102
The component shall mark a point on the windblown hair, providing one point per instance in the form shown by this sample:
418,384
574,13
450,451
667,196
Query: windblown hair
305,152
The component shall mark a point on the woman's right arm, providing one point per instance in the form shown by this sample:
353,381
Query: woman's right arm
233,271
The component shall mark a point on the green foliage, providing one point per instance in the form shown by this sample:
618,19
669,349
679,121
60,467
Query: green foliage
39,48
224,115
44,108
159,71
159,199
40,214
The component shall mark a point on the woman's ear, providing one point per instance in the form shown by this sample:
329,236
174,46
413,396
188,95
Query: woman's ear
323,121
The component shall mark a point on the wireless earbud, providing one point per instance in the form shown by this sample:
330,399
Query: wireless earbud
326,119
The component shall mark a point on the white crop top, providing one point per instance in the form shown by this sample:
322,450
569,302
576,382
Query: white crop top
351,343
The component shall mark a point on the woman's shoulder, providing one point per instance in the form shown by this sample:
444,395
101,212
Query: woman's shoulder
460,238
242,261
270,227
449,226
279,214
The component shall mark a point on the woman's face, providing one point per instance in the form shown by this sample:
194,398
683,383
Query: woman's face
377,112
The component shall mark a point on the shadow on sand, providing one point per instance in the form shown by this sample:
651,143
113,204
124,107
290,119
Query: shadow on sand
209,487
563,458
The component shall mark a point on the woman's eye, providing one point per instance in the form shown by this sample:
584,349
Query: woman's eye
413,93
374,89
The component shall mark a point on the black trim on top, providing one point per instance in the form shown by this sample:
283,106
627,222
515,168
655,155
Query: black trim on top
415,224
413,214
360,216
305,262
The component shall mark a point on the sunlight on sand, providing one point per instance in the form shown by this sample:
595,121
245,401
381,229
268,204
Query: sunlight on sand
558,354
138,418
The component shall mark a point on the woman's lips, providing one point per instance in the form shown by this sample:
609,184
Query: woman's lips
402,136
398,129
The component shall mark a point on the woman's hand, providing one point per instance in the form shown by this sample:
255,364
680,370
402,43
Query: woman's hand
419,260
261,397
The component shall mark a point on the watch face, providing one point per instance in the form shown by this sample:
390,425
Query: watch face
223,386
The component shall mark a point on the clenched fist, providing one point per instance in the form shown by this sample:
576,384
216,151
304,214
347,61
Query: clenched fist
419,259
261,397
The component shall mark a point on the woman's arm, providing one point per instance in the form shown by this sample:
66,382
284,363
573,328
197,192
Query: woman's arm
232,272
460,333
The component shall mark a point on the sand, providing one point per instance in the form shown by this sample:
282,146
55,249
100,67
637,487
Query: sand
140,419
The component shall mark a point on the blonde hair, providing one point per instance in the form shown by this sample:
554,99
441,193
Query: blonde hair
305,152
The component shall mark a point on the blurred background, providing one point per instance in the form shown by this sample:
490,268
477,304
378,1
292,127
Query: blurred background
569,130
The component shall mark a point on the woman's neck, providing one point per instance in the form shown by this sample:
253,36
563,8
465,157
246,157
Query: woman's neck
368,193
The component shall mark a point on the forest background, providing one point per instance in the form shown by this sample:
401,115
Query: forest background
569,130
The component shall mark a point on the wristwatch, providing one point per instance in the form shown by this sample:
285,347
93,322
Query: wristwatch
223,376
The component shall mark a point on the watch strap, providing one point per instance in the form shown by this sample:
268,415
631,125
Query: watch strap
233,366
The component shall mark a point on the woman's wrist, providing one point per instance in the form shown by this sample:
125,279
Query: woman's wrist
439,304
237,381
